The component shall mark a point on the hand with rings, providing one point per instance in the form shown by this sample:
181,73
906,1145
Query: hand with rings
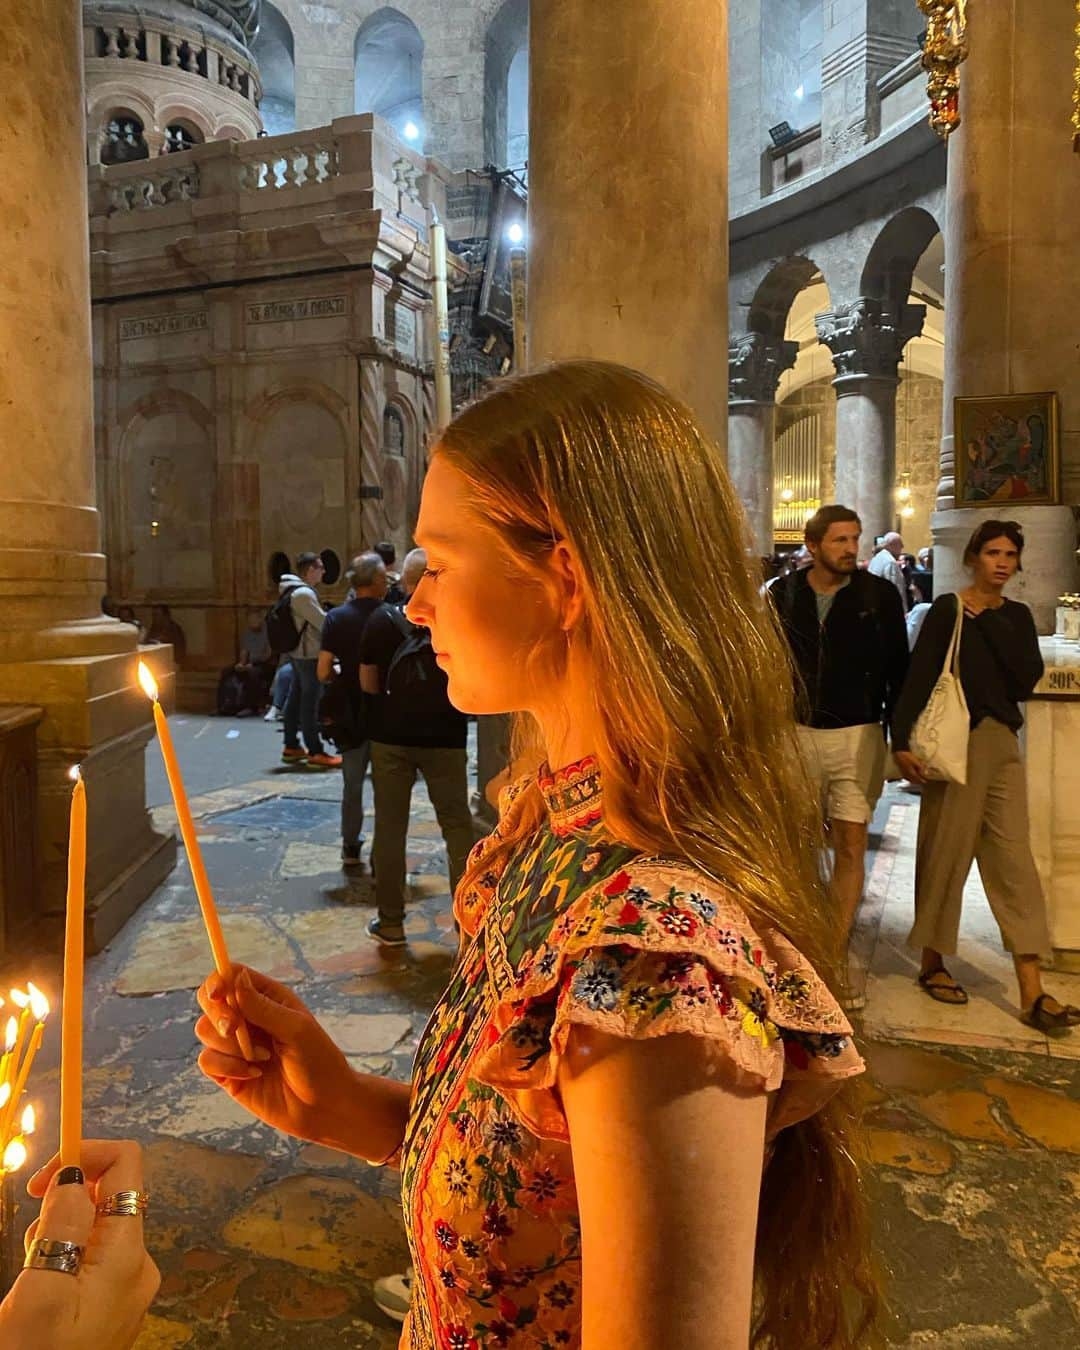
88,1280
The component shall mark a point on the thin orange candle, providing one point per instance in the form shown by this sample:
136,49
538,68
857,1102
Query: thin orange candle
40,1006
71,1027
191,846
14,1057
11,1036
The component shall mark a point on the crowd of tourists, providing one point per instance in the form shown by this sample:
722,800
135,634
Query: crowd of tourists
643,1032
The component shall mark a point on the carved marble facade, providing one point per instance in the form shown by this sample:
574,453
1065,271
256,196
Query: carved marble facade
266,390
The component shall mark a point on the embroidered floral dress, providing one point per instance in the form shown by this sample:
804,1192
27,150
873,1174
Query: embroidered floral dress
578,928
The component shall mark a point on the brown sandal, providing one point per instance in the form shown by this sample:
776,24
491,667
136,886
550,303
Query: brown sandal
952,993
1042,1019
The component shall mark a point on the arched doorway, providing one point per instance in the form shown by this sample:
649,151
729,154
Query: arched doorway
904,270
776,462
506,86
273,51
388,66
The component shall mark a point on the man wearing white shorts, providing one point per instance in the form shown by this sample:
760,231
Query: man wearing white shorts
848,640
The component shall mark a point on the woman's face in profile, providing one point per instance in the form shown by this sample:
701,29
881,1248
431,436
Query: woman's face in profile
486,618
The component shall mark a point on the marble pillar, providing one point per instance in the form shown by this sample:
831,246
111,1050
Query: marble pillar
1012,286
628,227
867,341
57,651
755,364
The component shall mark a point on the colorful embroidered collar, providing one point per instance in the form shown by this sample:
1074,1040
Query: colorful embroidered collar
574,795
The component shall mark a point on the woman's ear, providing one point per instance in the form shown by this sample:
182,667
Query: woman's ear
568,577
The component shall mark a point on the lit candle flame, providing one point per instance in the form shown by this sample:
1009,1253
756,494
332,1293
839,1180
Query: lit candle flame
11,1035
146,679
29,1121
39,1004
74,773
5,1093
19,998
14,1156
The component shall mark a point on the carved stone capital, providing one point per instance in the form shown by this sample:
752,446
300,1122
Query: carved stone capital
755,364
867,341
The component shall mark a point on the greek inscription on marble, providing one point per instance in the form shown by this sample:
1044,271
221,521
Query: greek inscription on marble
401,323
163,325
1059,680
311,307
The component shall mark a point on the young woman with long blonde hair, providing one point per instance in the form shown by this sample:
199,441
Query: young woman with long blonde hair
624,1126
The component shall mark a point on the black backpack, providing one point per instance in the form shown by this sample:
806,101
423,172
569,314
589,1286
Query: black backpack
281,630
415,695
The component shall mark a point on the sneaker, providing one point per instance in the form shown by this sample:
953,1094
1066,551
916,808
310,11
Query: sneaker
293,755
324,761
273,714
393,1295
350,856
388,937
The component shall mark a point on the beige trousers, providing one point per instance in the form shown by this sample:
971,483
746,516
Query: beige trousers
985,821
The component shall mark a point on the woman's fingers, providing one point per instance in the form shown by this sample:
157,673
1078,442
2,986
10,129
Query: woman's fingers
98,1158
221,1066
67,1213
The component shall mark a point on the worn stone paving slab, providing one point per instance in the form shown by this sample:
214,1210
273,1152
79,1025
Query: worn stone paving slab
310,860
177,955
323,1224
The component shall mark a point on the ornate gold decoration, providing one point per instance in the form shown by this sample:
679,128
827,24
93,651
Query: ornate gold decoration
944,51
1076,86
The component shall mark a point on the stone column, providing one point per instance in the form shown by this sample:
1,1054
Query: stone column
57,651
867,344
628,229
1012,288
755,364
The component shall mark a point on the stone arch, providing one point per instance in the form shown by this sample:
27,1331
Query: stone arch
890,264
507,36
775,294
388,64
169,112
116,102
166,516
274,52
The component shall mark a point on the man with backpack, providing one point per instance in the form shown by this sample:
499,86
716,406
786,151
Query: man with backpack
294,628
344,705
413,727
845,628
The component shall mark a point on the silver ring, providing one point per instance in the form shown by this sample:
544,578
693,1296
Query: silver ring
49,1254
126,1204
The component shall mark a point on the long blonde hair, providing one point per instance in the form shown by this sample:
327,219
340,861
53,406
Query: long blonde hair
693,720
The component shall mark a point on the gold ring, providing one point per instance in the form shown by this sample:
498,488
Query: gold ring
126,1204
49,1254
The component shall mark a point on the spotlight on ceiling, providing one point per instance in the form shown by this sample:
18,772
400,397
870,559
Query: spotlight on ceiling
516,234
411,131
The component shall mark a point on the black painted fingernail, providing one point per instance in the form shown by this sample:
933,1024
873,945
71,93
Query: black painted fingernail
71,1176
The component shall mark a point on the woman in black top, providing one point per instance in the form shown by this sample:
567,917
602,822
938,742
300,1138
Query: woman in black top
985,820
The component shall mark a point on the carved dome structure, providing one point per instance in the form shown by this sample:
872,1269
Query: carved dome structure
164,75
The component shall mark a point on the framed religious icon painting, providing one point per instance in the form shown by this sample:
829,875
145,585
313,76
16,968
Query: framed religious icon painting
1007,450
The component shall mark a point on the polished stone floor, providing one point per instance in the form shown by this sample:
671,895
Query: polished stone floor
973,1122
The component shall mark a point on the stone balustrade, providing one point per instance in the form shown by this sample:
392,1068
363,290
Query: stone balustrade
112,36
354,174
294,162
290,161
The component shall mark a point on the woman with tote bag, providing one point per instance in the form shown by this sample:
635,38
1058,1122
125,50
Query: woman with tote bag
976,812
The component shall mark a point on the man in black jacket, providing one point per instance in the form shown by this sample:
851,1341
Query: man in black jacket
848,640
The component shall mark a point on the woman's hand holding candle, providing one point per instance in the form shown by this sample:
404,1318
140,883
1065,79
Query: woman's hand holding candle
300,1082
102,1307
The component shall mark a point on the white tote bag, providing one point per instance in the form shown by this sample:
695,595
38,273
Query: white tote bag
939,739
